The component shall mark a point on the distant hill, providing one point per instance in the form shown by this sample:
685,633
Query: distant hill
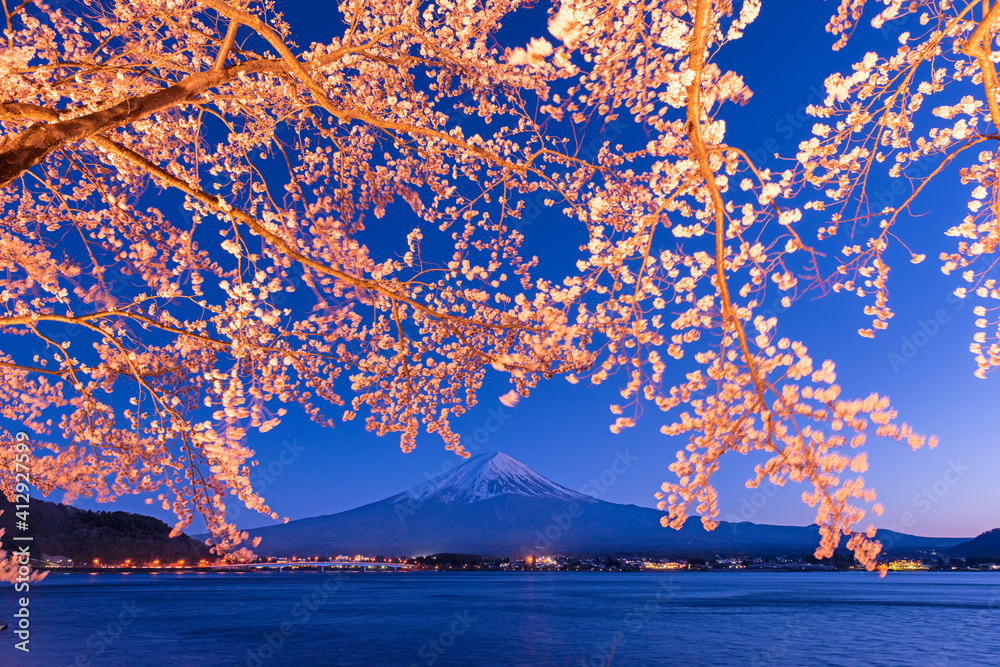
495,505
986,545
112,537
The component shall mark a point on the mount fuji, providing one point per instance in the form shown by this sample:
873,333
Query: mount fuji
495,505
489,476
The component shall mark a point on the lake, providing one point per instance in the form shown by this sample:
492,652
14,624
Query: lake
512,618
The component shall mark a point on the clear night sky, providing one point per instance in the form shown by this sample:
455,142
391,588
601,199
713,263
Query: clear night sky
561,430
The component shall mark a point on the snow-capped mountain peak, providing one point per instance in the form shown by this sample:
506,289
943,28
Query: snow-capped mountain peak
489,475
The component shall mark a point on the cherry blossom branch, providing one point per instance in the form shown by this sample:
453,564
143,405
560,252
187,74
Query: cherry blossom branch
975,47
702,17
227,45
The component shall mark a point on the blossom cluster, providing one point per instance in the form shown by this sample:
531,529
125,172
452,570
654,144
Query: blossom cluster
207,228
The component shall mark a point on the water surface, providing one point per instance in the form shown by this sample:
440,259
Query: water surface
518,618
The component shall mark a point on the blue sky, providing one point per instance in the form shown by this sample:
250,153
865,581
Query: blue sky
922,361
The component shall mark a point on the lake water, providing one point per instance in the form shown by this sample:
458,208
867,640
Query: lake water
559,618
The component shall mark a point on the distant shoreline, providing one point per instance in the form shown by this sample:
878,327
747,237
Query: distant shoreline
306,569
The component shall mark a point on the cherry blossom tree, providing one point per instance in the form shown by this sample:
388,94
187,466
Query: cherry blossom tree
231,228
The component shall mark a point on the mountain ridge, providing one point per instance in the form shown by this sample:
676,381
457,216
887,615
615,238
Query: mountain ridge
493,504
984,545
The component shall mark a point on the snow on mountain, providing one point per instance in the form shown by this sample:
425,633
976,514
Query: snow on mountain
487,476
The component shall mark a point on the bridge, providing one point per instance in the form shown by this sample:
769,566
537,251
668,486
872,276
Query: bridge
321,566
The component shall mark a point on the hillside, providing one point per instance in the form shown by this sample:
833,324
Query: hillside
111,537
986,545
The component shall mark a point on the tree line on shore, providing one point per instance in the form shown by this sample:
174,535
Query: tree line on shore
108,537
